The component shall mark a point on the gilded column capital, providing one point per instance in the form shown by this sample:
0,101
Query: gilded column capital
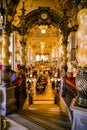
66,33
74,28
7,29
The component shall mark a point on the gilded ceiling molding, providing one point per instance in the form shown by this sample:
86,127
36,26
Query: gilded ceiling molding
43,16
11,4
46,16
7,11
67,31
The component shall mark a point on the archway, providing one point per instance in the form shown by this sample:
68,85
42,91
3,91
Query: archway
43,15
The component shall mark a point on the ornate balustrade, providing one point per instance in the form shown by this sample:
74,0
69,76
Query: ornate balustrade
68,94
69,91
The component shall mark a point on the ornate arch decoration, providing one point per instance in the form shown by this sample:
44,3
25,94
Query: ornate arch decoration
44,15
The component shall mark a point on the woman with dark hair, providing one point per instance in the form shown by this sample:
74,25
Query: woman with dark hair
13,76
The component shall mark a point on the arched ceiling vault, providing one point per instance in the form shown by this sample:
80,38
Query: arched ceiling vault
36,18
33,21
43,16
56,14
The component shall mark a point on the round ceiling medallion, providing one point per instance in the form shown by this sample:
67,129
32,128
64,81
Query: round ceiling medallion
44,16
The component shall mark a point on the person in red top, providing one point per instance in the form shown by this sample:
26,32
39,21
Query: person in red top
15,80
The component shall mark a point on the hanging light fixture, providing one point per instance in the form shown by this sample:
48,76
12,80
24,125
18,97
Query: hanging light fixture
42,47
43,28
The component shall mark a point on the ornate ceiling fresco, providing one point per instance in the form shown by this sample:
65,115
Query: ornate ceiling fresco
57,15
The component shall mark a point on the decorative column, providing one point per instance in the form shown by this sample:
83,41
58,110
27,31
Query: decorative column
23,60
65,31
22,32
64,59
79,104
5,58
8,100
8,97
64,64
23,44
71,55
26,53
69,66
81,55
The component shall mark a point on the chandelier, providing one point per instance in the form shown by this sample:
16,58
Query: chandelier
42,47
43,28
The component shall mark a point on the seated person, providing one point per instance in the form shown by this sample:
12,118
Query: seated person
15,79
13,76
